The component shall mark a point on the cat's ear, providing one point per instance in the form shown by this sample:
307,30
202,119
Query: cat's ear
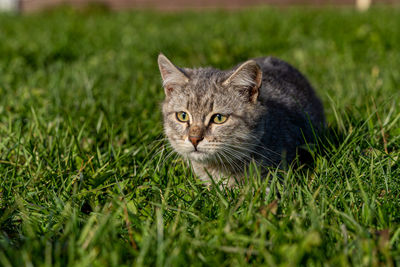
247,76
171,75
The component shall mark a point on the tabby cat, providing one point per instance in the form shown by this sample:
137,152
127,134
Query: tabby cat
221,120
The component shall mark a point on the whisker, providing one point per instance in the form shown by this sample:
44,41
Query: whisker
250,151
222,162
171,153
258,142
230,161
239,151
160,151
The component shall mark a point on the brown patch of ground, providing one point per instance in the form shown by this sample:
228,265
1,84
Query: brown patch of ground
34,5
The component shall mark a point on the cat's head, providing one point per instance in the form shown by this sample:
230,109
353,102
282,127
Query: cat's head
211,114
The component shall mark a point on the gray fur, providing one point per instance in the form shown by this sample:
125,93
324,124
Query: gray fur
272,110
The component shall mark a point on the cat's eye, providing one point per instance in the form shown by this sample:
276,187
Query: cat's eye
219,118
182,116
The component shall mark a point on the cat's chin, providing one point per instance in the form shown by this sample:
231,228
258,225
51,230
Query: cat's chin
200,156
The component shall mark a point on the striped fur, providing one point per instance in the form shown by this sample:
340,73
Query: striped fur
271,107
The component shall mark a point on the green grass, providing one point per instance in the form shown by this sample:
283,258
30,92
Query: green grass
81,183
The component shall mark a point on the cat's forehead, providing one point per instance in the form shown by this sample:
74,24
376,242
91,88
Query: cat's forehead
204,99
205,77
204,93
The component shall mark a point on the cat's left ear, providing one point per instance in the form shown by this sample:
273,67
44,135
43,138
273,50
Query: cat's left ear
172,76
247,76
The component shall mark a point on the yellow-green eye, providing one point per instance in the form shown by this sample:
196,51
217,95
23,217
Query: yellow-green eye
219,118
182,116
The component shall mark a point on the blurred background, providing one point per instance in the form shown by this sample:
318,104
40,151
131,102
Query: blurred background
35,5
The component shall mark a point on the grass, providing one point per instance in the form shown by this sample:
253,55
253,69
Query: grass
81,183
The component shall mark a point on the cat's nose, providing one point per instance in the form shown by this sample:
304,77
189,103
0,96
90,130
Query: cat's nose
195,140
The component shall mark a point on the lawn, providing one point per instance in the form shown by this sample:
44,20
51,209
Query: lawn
86,178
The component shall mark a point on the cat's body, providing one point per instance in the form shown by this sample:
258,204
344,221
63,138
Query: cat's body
261,110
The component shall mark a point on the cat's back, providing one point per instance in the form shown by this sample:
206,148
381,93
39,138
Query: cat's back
284,86
282,78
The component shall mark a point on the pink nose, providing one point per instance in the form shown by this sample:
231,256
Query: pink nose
195,140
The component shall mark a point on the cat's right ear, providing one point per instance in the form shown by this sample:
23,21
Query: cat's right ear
171,75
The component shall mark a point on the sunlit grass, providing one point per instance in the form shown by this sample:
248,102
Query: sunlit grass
86,178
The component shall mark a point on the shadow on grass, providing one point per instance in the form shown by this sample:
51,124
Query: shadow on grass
329,139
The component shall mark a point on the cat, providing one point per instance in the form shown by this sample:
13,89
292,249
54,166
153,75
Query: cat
221,120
